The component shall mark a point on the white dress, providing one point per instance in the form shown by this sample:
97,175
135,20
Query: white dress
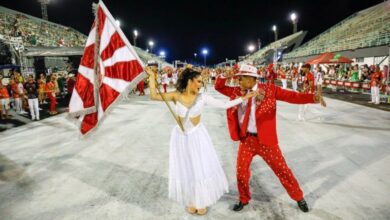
164,79
196,177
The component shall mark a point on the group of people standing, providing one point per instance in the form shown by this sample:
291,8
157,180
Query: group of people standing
168,77
29,94
196,178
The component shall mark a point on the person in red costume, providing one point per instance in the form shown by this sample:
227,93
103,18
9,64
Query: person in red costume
253,123
141,87
51,94
271,73
294,77
375,83
282,76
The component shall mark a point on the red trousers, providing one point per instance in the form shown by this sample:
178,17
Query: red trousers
165,88
250,147
141,86
53,102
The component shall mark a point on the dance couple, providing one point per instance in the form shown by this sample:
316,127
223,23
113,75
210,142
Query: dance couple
196,178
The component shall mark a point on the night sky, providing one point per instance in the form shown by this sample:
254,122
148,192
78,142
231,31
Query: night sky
183,28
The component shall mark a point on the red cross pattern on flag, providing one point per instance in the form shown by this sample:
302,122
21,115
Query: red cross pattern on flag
102,77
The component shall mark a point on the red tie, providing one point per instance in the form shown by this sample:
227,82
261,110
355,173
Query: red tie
244,126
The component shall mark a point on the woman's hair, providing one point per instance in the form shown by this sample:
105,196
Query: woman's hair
185,76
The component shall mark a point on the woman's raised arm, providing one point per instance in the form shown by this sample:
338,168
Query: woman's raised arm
170,96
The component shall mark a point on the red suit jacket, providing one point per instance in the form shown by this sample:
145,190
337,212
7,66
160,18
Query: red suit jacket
265,109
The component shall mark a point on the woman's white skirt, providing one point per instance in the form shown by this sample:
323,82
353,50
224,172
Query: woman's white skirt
196,177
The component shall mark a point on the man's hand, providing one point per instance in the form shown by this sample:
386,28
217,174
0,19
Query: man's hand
249,95
228,73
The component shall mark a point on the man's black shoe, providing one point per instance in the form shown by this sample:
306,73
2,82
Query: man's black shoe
239,206
303,205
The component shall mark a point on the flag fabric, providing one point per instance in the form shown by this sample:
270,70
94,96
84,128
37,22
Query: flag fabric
119,69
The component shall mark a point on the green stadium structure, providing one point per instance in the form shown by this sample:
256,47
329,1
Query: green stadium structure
29,37
364,34
268,53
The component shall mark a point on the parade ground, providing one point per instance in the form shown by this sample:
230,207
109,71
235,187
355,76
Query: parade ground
340,155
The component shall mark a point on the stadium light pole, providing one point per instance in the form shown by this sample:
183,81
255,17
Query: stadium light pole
251,48
205,52
151,44
294,20
195,54
162,54
44,4
135,33
275,30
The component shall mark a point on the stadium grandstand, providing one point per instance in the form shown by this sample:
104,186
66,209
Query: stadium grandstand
363,36
268,53
36,45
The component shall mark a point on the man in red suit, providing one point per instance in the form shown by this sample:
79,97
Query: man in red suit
253,123
271,73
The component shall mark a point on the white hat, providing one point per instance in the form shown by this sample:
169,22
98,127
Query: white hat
152,63
247,70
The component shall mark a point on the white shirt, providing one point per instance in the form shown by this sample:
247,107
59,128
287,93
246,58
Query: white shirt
174,76
20,88
252,115
164,79
318,78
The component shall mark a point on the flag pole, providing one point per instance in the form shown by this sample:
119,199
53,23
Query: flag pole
96,57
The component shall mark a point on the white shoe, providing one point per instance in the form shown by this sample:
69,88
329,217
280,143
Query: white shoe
377,103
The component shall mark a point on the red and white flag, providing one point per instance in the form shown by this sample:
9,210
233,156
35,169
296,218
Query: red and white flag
119,68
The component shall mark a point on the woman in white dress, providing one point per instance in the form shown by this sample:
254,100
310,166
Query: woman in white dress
196,178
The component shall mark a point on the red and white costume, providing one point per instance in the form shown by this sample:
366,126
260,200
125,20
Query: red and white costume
4,100
50,90
294,78
175,77
308,86
17,89
282,76
271,73
253,123
308,83
164,81
375,82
